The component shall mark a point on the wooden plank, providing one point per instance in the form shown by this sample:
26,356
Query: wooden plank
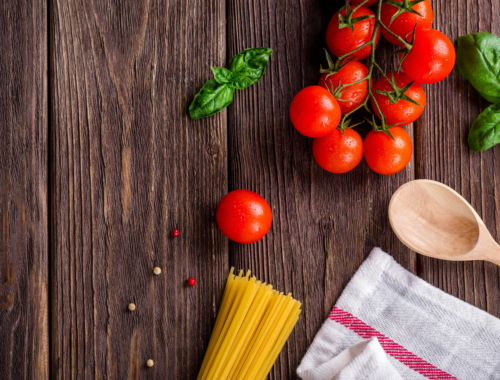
129,166
324,224
24,288
443,155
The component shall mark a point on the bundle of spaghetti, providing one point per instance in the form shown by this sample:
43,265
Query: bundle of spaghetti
252,326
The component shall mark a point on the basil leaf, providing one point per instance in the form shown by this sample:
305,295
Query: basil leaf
236,81
215,95
485,131
222,75
212,98
478,60
250,63
240,82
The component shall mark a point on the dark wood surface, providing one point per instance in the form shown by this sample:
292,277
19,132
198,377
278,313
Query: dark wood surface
24,210
129,166
100,161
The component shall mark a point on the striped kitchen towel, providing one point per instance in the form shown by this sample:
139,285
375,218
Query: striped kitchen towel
390,324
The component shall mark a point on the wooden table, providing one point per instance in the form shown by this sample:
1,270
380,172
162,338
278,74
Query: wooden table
99,161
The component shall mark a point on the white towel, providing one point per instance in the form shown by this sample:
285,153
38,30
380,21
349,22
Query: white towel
425,333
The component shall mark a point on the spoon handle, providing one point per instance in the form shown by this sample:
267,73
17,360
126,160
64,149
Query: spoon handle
493,256
487,248
495,261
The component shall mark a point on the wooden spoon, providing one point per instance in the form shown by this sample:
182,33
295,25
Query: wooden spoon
432,219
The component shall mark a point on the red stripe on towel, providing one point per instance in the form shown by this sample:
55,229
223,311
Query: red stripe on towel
394,349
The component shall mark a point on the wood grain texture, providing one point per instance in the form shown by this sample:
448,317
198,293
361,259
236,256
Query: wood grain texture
24,288
128,166
443,155
324,224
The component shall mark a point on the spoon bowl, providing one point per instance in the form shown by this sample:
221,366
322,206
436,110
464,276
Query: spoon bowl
434,220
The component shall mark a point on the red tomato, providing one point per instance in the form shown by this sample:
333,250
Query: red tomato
244,216
342,41
431,58
315,112
368,4
403,24
401,112
350,73
385,155
338,154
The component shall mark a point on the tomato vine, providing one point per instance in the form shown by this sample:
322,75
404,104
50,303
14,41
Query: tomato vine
324,112
398,93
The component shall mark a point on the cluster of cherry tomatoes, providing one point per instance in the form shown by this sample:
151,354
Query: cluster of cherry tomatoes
398,99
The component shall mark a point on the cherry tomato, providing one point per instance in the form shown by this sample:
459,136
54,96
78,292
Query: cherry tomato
315,112
401,112
338,154
368,4
403,24
244,216
350,73
342,41
385,155
431,58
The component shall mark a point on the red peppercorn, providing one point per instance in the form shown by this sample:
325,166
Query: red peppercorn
191,281
175,232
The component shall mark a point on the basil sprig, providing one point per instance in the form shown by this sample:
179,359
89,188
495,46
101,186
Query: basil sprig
485,131
246,69
478,60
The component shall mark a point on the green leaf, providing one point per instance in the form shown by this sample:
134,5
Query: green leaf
222,75
236,81
485,131
215,95
240,82
250,63
478,60
212,98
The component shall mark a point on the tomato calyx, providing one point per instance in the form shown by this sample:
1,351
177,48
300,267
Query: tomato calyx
397,93
383,127
334,67
404,6
348,21
340,89
407,46
345,124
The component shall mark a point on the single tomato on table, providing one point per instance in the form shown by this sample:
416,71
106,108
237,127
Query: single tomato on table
352,96
401,112
342,40
338,153
315,112
244,216
403,24
431,58
385,155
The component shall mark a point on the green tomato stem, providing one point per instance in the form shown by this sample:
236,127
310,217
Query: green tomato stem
373,64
